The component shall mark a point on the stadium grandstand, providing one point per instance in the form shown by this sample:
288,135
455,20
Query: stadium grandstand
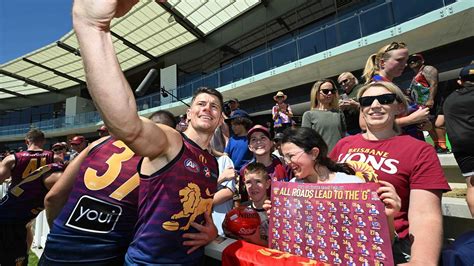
247,49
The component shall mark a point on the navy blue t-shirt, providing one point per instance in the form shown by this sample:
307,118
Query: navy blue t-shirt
238,150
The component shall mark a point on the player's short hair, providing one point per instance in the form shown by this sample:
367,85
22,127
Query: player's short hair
163,117
35,136
257,168
210,91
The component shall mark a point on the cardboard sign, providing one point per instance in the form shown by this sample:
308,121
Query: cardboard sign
333,223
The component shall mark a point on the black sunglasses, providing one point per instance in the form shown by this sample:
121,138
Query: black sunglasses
59,149
343,81
382,99
326,91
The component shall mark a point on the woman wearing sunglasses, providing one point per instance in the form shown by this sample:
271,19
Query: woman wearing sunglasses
324,116
388,63
412,166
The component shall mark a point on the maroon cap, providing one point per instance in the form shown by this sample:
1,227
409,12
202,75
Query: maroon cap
59,144
77,140
103,128
258,128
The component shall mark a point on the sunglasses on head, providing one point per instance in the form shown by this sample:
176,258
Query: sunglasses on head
382,99
326,91
395,46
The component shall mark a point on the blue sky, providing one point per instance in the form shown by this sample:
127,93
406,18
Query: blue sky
27,25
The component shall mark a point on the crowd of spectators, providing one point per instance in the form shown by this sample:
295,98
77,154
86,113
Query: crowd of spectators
329,147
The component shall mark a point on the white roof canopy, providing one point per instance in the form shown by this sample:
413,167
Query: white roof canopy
149,30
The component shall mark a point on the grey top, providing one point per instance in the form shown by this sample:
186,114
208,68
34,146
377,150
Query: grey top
331,125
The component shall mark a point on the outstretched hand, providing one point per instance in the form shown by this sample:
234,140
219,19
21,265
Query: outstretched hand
207,233
388,195
99,13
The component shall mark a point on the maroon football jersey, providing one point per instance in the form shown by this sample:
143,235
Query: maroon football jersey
27,162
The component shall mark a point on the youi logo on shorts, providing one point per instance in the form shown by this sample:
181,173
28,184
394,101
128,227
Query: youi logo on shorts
94,215
191,165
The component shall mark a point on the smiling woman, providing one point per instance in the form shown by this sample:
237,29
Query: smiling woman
306,152
409,164
380,103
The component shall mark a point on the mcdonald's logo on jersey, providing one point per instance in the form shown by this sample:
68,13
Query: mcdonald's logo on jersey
202,159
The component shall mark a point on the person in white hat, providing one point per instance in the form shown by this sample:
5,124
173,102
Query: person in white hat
281,113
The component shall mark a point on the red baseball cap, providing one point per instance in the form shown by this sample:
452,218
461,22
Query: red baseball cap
77,140
258,128
59,144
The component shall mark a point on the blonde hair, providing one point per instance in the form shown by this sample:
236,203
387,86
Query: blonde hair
399,96
314,95
349,75
372,66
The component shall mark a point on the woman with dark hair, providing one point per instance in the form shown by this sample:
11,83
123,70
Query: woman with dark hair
324,116
305,151
307,154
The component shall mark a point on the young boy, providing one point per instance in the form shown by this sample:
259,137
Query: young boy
261,145
237,146
257,183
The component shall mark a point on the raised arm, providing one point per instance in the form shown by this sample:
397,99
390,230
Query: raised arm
106,82
290,112
59,193
275,112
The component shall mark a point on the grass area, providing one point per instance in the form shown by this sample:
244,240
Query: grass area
456,193
32,259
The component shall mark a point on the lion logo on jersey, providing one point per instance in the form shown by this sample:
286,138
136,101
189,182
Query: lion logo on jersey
364,171
193,205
